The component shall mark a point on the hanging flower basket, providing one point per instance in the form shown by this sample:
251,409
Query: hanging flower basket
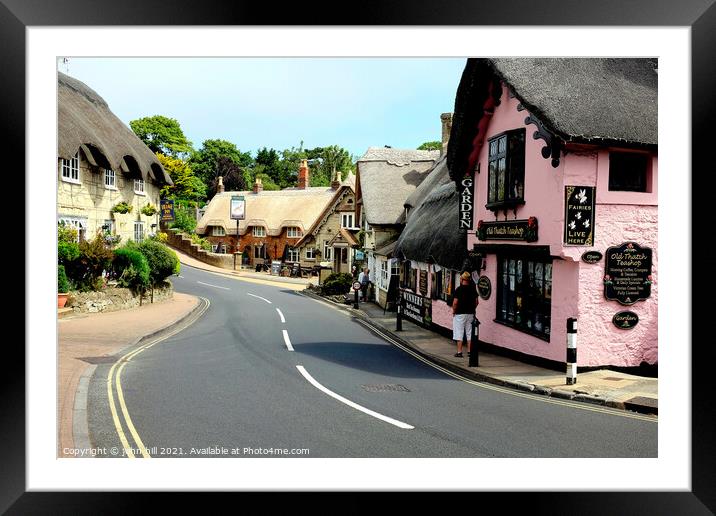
149,210
122,207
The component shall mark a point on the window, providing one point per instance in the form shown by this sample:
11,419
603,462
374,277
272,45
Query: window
78,223
218,231
260,251
327,251
71,169
139,186
214,247
347,220
628,171
108,227
384,278
524,295
310,253
506,175
138,231
294,232
293,255
259,231
110,180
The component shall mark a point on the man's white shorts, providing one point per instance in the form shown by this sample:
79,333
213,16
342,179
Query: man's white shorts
462,323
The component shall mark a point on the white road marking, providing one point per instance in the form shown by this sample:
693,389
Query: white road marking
180,276
287,340
210,285
283,320
254,295
348,402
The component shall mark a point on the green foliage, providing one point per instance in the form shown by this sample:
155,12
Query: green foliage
131,268
204,162
162,260
122,207
94,258
323,161
232,176
183,220
63,284
186,184
201,242
337,283
431,146
67,251
160,237
267,182
149,209
66,234
161,134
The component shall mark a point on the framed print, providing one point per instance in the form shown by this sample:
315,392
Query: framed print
35,33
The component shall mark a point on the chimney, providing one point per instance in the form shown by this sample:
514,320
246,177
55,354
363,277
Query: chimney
258,185
303,176
220,188
446,119
336,181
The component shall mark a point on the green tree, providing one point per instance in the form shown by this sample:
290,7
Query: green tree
324,161
268,162
186,184
161,134
204,162
232,177
267,181
431,146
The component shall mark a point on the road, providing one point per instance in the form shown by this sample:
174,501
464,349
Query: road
267,372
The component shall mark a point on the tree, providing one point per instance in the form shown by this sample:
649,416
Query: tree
186,184
205,160
431,146
324,161
268,162
231,174
161,134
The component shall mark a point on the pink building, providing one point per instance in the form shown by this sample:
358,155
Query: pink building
555,165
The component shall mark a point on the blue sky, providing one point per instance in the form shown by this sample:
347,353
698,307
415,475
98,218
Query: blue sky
277,102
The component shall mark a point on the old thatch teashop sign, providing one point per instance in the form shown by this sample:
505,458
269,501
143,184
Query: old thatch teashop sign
579,215
508,230
467,197
416,308
627,273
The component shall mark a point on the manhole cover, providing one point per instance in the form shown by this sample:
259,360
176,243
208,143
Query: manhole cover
613,378
99,360
386,387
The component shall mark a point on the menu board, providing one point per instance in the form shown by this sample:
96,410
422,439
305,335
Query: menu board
627,273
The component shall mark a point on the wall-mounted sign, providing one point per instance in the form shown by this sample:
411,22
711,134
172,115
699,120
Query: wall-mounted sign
591,256
416,308
484,287
238,207
166,206
360,255
627,273
467,198
579,215
508,230
625,320
423,283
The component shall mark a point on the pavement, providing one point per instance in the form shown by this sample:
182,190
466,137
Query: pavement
86,340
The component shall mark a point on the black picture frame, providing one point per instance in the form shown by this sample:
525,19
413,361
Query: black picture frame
699,15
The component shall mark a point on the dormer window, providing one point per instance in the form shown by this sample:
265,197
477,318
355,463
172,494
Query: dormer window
110,179
294,232
218,231
259,231
71,169
139,186
506,173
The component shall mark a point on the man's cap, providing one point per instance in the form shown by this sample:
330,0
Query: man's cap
465,275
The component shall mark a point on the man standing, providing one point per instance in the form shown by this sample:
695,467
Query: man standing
364,282
464,305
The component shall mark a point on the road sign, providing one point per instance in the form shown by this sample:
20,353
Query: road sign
356,285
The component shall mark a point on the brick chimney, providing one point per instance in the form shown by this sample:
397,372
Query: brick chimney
220,188
303,176
258,186
336,180
446,119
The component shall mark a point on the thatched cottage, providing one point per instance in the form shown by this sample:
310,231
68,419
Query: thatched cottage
101,163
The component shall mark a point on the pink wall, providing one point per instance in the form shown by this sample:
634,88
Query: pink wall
577,286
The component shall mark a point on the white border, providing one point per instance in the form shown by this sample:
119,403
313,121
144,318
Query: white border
671,471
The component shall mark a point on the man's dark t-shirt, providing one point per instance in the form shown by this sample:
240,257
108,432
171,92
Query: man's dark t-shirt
465,295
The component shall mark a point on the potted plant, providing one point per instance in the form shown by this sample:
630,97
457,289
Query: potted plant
122,207
63,286
149,210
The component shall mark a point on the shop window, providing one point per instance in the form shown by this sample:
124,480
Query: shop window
524,295
628,172
506,170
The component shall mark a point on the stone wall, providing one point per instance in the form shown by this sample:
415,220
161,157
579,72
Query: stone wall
112,299
182,242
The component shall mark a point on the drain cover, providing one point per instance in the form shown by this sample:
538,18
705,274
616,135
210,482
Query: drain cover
385,387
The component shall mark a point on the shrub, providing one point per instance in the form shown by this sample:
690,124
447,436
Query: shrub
67,247
94,258
337,283
183,221
63,284
162,260
160,237
131,268
201,242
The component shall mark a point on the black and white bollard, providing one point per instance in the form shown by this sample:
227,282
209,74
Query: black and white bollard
571,351
398,320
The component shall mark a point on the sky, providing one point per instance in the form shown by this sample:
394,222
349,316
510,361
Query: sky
355,103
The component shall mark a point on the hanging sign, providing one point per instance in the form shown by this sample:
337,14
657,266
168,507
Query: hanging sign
166,206
625,320
238,207
579,215
627,273
467,198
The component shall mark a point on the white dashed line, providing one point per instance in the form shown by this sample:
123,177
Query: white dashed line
210,285
254,295
287,340
283,320
348,402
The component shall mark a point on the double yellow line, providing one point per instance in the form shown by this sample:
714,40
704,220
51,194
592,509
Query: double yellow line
114,382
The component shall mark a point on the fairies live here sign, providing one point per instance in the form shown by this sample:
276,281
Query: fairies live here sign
579,215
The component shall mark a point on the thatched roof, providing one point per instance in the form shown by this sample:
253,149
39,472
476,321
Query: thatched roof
582,100
438,175
273,210
431,234
386,177
85,122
